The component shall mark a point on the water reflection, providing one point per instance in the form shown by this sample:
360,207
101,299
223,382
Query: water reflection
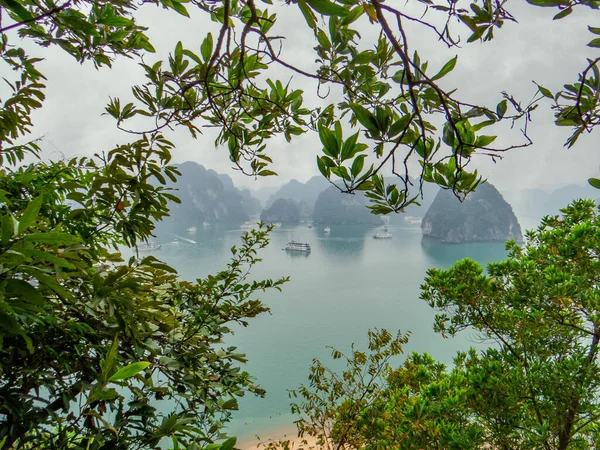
344,240
445,255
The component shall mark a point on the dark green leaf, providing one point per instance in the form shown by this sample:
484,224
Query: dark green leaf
327,8
448,67
30,214
129,371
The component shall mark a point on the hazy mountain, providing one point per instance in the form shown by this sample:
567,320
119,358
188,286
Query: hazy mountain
484,216
208,196
537,203
284,210
301,192
333,207
251,205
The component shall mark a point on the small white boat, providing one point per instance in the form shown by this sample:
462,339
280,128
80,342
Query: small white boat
295,246
248,226
206,224
192,229
413,219
383,235
278,224
147,246
327,230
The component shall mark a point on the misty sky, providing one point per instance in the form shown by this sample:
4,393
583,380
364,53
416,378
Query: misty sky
550,52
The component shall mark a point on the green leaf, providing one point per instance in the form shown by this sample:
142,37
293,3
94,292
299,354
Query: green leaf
594,30
207,47
229,444
331,146
129,371
448,67
30,214
309,16
7,228
180,9
399,125
545,92
354,14
548,3
323,168
484,141
358,165
563,13
349,148
179,51
17,8
501,108
327,8
266,173
231,404
594,43
116,21
366,118
594,182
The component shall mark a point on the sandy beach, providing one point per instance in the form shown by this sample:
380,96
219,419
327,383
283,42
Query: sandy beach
282,434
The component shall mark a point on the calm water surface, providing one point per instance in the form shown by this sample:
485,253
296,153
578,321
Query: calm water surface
347,285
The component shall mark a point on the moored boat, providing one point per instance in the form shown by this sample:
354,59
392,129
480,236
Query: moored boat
327,230
413,219
148,246
192,229
295,246
382,235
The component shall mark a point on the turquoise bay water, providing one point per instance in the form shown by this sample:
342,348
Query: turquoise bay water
349,284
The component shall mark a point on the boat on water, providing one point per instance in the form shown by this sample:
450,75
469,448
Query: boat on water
147,246
192,229
247,226
413,219
327,230
295,246
310,225
382,235
206,224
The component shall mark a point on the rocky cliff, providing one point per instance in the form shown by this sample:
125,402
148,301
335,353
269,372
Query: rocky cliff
207,196
332,207
484,216
283,210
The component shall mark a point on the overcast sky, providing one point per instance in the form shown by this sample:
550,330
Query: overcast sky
550,52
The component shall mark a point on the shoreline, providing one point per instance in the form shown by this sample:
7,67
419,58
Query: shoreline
288,432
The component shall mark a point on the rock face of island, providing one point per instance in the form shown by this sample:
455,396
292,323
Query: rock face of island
484,216
333,207
208,196
283,210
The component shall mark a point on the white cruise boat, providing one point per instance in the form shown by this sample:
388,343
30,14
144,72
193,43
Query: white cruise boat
382,235
147,246
248,226
327,230
192,229
295,246
413,219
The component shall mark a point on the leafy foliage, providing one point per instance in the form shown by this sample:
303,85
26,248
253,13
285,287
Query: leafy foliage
536,385
98,350
400,110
